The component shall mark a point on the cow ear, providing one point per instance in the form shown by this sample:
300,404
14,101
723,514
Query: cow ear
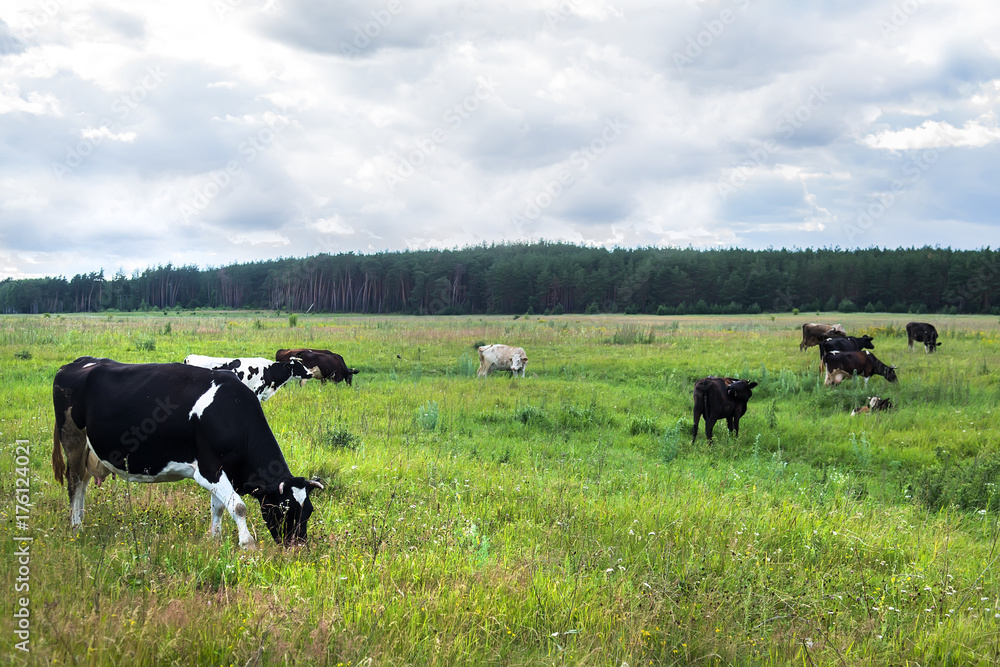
752,385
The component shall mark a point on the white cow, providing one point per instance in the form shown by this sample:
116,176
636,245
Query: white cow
501,358
262,375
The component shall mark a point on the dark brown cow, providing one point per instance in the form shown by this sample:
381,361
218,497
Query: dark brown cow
845,344
862,362
813,333
715,398
922,333
324,364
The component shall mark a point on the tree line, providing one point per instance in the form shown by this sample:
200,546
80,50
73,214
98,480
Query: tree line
514,278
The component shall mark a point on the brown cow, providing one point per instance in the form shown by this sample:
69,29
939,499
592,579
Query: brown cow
323,364
813,333
862,362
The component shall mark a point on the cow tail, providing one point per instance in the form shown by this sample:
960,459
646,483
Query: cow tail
58,464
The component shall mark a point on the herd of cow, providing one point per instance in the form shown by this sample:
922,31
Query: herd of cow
840,355
203,420
199,420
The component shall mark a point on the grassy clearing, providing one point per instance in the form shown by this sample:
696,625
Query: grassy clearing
565,517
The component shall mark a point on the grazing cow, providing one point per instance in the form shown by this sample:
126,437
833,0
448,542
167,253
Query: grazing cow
263,376
813,333
498,357
875,404
715,398
922,333
323,364
166,422
862,362
845,344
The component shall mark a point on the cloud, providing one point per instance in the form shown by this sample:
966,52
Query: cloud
239,131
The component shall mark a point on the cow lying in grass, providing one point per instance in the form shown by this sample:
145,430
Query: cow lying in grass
716,398
875,404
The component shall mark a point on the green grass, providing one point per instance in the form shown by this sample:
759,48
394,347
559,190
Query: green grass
563,517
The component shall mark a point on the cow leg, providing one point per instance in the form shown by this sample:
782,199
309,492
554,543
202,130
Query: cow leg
218,509
734,426
709,425
74,444
225,495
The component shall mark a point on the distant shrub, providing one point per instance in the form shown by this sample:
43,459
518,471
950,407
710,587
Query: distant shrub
167,328
144,343
592,308
258,323
531,414
427,416
293,320
340,438
673,436
639,425
970,485
631,334
23,354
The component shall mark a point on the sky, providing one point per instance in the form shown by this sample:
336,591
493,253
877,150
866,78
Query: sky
212,132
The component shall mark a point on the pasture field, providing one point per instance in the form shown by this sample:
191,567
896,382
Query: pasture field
565,517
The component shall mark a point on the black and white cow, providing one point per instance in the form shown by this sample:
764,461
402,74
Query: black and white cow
845,344
263,376
840,365
716,398
167,422
922,333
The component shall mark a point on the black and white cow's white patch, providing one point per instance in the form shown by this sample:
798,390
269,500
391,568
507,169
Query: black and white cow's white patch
263,376
167,422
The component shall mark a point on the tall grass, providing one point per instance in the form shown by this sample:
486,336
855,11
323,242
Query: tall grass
563,517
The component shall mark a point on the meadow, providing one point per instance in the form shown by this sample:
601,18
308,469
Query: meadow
562,518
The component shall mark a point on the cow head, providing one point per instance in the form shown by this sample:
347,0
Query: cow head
740,390
890,373
286,508
299,369
866,342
